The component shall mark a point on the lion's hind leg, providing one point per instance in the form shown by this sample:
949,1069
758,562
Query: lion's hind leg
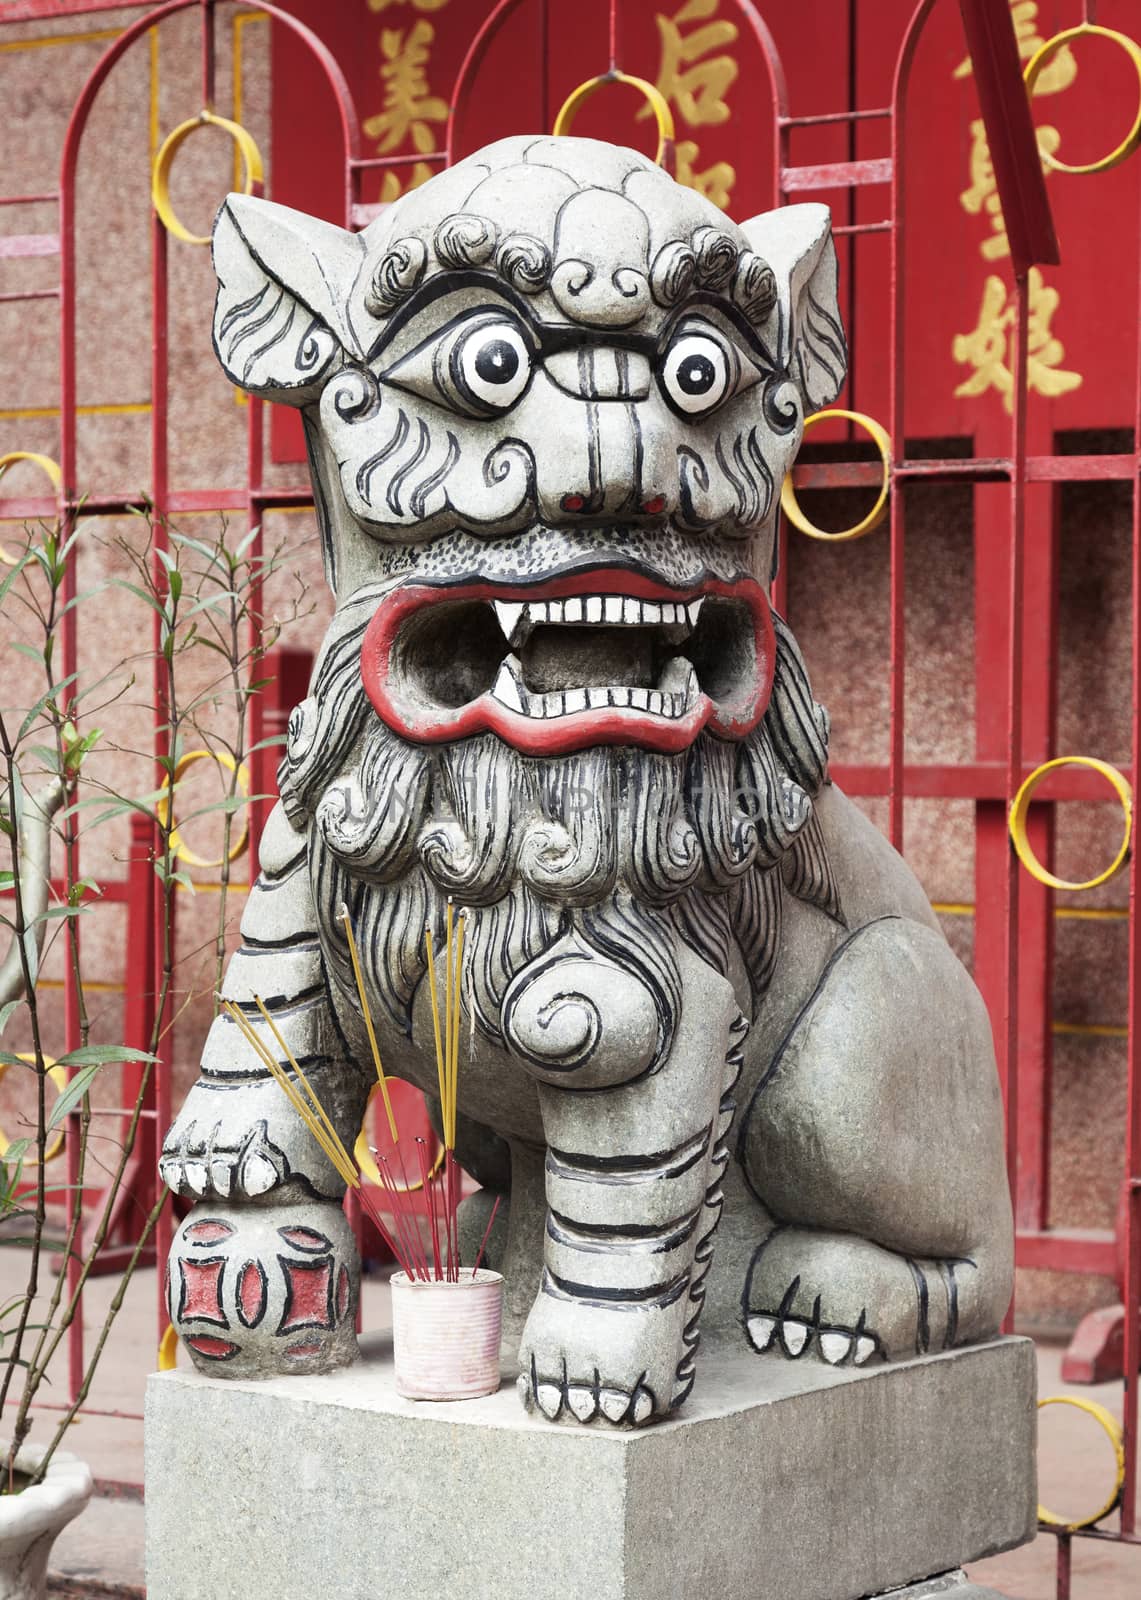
875,1142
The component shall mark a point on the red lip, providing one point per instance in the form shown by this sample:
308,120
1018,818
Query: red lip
420,721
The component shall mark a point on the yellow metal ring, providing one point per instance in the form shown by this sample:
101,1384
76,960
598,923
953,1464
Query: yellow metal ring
1020,809
164,160
1116,1439
658,104
177,844
366,1163
46,465
54,1147
882,442
168,1349
1046,52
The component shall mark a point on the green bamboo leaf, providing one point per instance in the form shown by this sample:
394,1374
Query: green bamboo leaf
100,1054
37,710
11,576
71,1096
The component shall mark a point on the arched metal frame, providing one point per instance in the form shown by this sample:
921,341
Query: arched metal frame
991,783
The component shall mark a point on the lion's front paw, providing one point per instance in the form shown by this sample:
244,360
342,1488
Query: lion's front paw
587,1363
239,1142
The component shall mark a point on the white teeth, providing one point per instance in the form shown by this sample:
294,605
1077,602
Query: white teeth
509,612
668,701
677,689
864,1348
506,690
517,617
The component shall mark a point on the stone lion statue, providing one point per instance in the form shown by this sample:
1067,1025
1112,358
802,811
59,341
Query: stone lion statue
722,1061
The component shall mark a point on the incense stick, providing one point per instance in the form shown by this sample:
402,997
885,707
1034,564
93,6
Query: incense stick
405,1238
331,1146
486,1235
367,1010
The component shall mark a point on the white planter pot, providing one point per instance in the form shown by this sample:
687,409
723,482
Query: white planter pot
31,1520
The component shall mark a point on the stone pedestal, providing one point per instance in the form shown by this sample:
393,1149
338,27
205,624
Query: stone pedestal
780,1481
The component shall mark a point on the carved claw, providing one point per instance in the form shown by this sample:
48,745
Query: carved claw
790,1337
198,1160
586,1402
234,1141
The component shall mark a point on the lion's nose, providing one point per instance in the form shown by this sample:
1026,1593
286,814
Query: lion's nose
592,372
602,464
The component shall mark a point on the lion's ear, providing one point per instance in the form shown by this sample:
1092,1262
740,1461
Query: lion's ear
796,241
283,285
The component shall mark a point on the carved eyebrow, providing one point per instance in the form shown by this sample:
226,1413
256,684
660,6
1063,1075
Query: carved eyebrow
446,283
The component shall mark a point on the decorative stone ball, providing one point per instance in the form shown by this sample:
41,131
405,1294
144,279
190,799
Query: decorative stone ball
265,1289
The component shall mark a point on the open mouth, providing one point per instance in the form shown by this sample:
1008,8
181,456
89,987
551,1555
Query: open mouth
604,656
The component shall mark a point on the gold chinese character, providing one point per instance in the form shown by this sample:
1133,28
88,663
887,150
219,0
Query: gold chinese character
409,105
417,5
391,187
696,86
983,192
1057,74
986,349
715,183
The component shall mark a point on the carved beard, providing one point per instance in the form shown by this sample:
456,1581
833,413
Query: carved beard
611,854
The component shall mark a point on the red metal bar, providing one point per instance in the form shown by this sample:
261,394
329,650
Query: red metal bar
164,925
1131,1288
837,174
822,119
1010,134
975,469
208,54
897,426
409,159
23,246
1014,766
50,10
1090,1250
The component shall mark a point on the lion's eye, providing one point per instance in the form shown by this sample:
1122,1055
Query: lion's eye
479,364
490,365
702,367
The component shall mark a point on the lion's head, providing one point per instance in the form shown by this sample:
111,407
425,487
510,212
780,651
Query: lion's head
549,399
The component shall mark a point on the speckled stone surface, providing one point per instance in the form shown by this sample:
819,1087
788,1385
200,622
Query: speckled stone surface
952,1585
779,1481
